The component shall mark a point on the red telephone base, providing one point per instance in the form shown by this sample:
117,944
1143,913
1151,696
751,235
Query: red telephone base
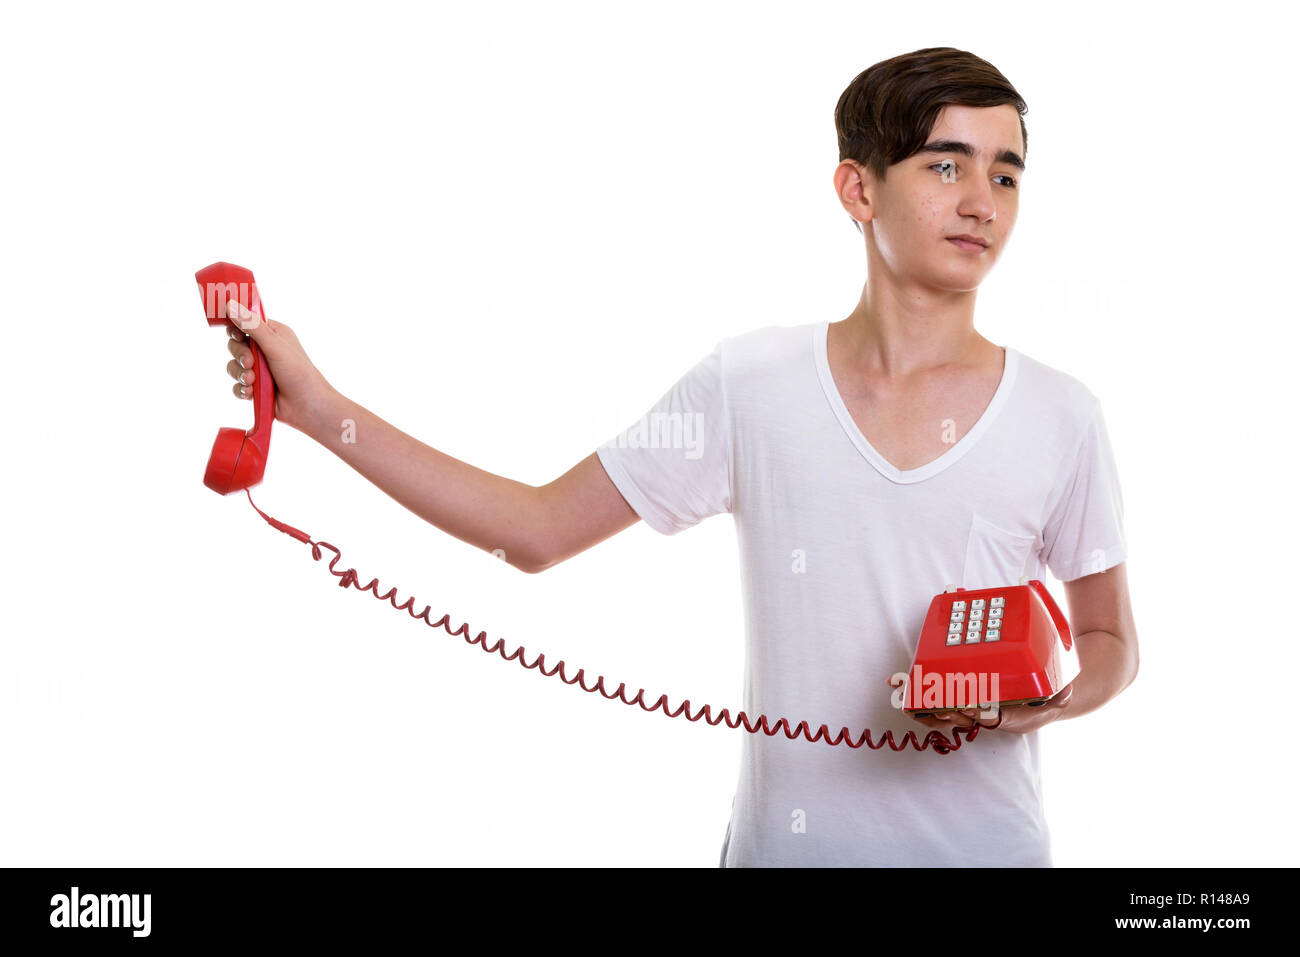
1007,645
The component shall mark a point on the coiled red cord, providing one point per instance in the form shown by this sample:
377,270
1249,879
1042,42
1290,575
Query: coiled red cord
935,738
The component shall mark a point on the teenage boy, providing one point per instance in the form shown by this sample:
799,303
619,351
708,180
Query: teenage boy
867,464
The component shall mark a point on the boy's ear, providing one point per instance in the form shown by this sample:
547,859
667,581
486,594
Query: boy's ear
855,186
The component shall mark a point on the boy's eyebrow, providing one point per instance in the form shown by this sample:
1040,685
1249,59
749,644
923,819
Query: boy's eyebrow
957,146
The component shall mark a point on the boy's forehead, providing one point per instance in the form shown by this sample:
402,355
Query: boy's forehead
990,129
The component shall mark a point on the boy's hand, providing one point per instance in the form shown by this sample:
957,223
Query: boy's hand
1016,718
299,385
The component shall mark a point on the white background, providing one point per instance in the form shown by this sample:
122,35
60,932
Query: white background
508,229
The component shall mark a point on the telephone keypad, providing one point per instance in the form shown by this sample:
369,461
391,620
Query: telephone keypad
975,626
955,622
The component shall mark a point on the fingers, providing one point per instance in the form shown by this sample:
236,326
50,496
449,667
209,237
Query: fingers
242,352
238,347
243,378
240,368
948,719
237,370
241,315
939,722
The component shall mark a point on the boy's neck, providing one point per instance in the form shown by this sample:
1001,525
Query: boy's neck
889,336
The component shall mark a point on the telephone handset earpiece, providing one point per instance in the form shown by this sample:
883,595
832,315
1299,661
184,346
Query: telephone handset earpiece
238,458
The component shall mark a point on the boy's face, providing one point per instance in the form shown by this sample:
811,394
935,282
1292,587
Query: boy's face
942,192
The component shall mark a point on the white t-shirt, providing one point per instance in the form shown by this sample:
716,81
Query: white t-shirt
840,555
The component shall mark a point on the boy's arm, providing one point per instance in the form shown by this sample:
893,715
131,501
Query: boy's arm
581,508
1101,619
534,527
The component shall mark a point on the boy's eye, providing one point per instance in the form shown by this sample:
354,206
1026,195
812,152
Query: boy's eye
948,168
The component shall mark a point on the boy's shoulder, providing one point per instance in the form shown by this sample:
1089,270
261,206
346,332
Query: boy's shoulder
1054,390
773,338
759,351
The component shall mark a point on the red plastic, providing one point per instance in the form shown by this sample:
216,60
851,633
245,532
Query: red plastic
1033,658
238,458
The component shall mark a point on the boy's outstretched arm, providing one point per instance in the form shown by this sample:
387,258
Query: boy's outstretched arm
533,527
581,508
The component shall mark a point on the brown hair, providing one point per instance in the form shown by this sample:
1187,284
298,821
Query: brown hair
886,114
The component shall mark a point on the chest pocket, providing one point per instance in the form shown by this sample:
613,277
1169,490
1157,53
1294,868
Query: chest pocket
994,557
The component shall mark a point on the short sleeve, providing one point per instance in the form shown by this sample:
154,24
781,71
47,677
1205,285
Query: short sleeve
1084,532
674,464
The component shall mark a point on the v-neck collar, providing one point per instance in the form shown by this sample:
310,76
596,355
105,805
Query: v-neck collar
1010,364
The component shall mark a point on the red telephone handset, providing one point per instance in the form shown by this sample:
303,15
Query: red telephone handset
238,458
1005,646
